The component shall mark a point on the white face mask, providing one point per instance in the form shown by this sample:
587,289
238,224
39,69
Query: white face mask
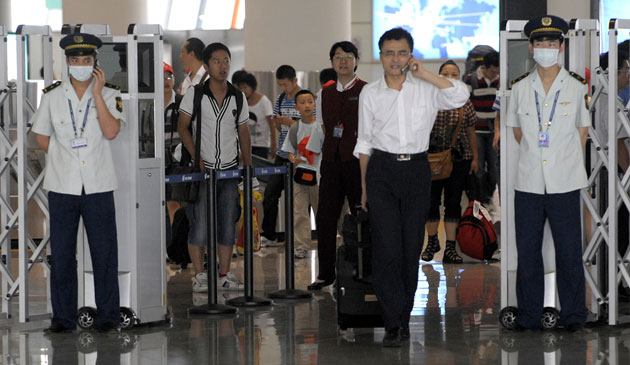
546,57
81,73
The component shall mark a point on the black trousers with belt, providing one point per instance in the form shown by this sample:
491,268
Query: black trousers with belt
339,180
398,194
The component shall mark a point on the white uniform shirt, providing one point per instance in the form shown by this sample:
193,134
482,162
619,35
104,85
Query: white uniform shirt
401,121
219,134
188,83
69,170
558,168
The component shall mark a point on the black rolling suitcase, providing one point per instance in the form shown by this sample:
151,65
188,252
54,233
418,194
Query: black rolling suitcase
357,305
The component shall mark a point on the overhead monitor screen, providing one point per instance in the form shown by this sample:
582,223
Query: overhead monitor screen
440,29
617,9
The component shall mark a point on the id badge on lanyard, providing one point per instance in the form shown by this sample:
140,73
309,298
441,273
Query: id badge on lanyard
79,141
543,136
338,130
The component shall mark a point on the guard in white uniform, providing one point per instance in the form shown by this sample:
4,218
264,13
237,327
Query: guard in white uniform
550,120
74,124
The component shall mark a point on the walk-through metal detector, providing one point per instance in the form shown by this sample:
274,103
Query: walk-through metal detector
582,51
134,62
16,175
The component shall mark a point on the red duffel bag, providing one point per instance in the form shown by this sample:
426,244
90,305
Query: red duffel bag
476,235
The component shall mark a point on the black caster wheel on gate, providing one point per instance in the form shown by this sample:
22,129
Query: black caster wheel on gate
85,317
127,318
507,317
549,319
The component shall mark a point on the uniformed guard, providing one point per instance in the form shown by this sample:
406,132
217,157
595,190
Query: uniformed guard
550,122
74,124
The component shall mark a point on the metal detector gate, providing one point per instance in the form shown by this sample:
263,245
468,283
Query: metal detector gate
134,63
14,166
582,51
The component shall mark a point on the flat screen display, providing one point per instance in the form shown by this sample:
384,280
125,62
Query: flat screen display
617,9
440,29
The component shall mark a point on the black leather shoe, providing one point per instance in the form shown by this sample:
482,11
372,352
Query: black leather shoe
57,328
108,328
404,334
392,338
318,285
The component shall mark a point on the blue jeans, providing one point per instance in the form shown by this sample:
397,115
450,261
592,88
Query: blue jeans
487,160
99,217
563,212
228,212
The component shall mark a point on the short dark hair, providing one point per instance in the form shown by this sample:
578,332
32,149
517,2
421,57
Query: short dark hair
248,79
326,75
396,34
303,92
623,55
547,37
213,47
237,76
285,72
491,59
196,46
346,46
449,62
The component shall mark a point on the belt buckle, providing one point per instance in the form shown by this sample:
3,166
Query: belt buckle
403,157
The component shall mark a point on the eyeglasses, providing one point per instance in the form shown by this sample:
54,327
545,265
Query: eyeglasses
391,54
347,56
168,78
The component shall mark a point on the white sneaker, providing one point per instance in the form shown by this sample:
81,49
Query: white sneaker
300,253
229,282
200,283
265,242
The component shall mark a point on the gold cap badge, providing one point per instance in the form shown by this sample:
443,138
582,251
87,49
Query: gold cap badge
78,39
546,21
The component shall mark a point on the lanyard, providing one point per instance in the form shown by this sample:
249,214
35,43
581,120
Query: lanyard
553,110
74,126
352,83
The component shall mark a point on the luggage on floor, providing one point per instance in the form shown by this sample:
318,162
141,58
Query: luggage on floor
476,235
177,248
357,305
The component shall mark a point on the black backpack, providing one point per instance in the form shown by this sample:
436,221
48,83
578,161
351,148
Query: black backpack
177,248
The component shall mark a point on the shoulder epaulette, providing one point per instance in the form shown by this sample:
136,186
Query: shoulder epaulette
112,86
51,86
520,78
578,77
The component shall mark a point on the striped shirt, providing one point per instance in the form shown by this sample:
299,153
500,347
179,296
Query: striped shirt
287,109
482,95
219,134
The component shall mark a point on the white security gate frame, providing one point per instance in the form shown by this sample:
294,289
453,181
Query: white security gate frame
28,184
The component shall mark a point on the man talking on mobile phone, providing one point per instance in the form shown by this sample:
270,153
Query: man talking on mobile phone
75,121
396,114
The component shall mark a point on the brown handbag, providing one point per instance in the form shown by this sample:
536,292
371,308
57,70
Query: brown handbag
442,162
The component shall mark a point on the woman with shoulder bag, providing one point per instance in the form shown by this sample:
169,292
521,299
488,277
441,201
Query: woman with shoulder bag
448,123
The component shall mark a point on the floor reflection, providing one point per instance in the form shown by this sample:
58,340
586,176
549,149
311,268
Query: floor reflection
454,322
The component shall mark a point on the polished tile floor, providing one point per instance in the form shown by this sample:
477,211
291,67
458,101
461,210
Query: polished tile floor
454,322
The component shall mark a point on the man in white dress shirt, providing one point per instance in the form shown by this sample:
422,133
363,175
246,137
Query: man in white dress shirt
396,114
191,56
74,124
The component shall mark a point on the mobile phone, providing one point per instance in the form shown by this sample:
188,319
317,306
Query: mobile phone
404,69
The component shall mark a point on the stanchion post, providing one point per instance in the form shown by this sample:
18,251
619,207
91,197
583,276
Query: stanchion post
212,307
248,300
289,292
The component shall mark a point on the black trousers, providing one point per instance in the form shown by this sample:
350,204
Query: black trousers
273,190
398,194
339,180
99,217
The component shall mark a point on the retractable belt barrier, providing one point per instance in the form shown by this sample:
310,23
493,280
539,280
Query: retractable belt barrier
248,300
